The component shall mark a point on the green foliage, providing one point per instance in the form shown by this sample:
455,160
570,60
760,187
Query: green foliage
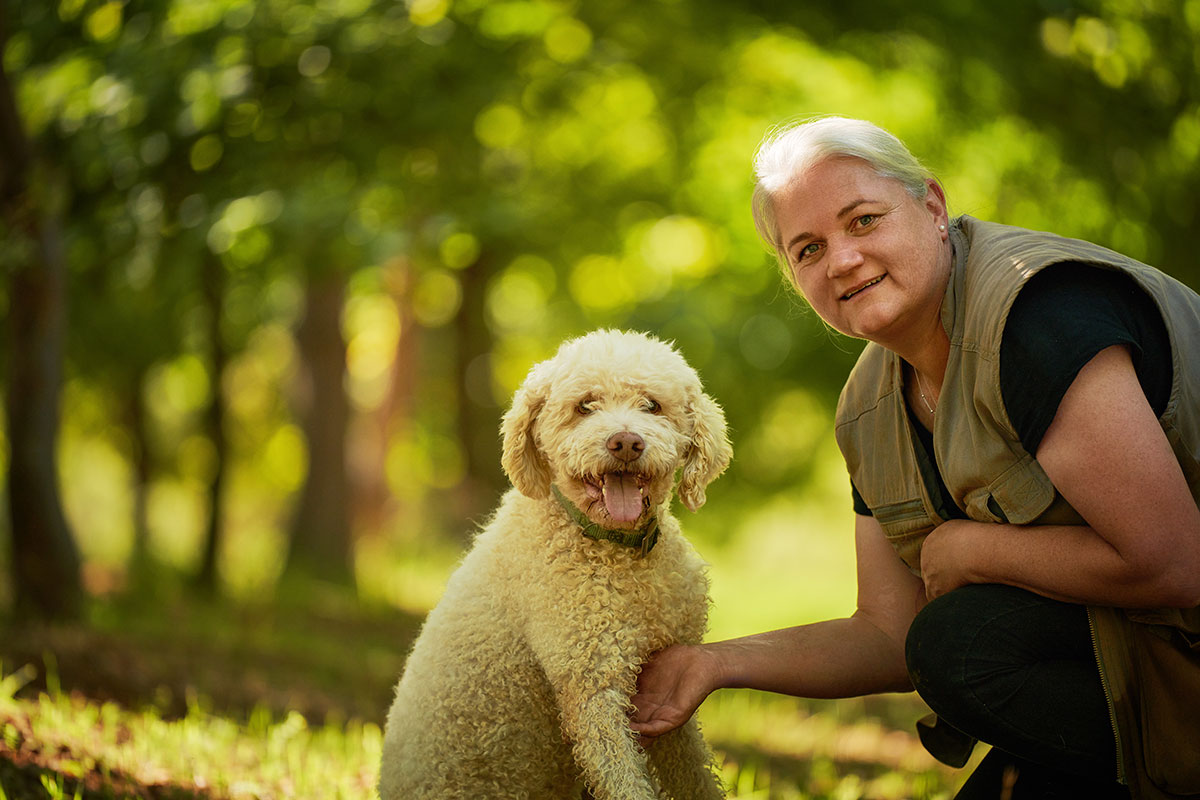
494,177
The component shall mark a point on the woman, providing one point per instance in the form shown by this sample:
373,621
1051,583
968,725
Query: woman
1022,433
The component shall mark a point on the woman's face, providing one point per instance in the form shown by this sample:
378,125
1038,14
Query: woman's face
866,254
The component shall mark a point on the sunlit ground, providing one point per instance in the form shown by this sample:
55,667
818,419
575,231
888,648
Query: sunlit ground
769,747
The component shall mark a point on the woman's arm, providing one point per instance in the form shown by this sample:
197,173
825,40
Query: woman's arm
1109,458
861,654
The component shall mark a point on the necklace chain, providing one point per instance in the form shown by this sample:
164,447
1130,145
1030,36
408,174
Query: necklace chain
921,391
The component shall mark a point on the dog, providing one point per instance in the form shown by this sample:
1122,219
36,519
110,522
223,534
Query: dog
519,683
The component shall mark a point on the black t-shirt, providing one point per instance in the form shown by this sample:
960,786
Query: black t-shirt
1062,317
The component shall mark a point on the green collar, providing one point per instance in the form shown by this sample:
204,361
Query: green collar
643,538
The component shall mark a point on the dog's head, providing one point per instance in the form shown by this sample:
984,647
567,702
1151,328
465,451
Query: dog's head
610,419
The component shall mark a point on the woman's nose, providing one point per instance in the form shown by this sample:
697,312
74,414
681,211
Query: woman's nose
843,257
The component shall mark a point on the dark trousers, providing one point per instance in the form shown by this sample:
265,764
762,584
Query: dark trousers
1016,670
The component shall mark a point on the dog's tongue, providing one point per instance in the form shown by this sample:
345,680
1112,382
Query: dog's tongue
622,497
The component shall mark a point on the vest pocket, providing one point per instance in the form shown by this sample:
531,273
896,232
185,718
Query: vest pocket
895,513
905,524
1168,677
1020,494
982,506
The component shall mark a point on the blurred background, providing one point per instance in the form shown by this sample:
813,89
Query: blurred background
273,268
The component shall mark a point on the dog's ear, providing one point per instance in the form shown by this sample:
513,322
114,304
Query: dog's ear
707,454
523,462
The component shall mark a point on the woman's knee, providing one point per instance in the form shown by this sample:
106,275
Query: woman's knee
944,633
930,649
983,633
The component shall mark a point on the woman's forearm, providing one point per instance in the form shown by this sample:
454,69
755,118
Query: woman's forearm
858,655
835,658
1072,563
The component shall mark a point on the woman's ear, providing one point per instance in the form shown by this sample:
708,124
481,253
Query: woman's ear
707,454
935,202
523,462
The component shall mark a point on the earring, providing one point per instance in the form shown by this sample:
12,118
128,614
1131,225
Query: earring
941,227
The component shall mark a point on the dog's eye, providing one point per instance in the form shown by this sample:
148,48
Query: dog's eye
651,406
585,407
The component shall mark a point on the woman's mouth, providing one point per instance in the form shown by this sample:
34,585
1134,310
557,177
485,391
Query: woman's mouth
862,286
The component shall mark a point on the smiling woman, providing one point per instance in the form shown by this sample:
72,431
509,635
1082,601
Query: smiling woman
1022,434
871,259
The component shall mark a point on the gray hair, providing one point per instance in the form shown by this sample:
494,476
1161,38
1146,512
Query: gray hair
789,150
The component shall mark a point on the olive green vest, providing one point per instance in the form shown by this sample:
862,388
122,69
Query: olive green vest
988,472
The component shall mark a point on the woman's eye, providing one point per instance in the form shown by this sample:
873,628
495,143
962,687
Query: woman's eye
808,251
651,406
866,219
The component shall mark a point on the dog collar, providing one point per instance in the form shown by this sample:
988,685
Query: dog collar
643,539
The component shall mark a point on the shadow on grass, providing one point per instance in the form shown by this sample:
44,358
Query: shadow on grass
29,774
758,771
319,653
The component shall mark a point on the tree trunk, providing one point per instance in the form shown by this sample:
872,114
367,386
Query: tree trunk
478,413
46,569
214,423
321,543
135,420
375,504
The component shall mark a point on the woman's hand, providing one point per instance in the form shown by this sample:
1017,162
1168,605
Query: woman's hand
945,557
672,685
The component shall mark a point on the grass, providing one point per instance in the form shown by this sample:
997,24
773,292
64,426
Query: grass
79,748
187,698
170,694
787,748
62,745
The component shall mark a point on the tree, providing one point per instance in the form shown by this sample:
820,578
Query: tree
46,567
321,543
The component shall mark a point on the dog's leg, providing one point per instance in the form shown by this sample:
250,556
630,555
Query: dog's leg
613,765
685,766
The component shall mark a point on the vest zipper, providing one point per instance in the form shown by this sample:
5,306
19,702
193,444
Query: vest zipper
1108,699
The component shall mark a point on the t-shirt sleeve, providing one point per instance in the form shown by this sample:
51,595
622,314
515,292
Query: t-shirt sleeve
860,505
1061,319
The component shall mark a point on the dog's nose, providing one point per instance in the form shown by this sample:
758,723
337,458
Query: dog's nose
626,446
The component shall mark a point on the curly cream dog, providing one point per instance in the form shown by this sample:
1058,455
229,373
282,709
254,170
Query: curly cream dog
519,684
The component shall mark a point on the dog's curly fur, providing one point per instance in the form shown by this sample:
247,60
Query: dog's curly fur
519,685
